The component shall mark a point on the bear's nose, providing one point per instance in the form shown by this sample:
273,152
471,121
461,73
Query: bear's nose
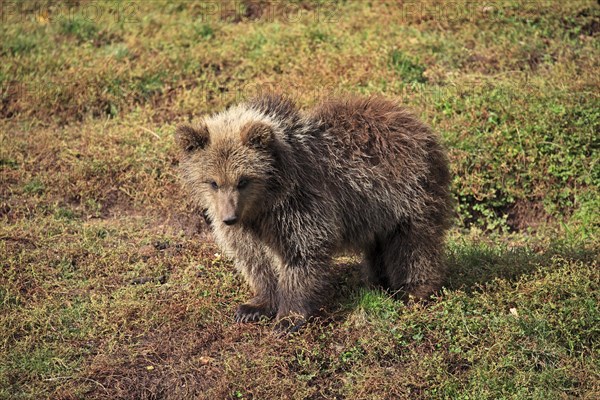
230,220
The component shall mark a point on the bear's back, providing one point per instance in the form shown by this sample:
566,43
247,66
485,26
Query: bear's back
374,132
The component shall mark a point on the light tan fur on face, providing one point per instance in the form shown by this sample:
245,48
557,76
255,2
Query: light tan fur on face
230,123
227,202
226,158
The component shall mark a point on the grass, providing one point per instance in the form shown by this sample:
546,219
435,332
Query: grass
110,286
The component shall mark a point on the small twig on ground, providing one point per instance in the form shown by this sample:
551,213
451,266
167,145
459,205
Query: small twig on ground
149,131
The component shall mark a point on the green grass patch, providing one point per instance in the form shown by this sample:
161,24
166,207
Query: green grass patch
410,71
79,27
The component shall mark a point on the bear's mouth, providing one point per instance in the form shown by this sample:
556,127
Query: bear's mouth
207,218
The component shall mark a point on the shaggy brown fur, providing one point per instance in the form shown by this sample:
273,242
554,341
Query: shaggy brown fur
286,190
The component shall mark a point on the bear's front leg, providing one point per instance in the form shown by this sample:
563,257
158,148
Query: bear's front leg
260,274
302,287
253,311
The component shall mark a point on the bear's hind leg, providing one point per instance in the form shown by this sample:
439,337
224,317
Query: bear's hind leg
412,256
374,268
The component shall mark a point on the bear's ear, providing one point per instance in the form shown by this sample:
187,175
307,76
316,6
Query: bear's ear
257,134
192,137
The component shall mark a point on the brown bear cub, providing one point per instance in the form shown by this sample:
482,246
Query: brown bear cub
286,190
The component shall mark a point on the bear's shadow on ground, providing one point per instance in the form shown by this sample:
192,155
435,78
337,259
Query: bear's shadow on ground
470,268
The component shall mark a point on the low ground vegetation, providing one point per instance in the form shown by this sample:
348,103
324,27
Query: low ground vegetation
110,286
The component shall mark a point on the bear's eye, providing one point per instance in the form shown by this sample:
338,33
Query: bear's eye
214,185
243,183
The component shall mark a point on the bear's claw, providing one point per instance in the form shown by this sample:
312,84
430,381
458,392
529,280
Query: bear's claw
251,313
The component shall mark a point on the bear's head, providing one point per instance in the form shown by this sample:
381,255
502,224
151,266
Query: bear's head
228,166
